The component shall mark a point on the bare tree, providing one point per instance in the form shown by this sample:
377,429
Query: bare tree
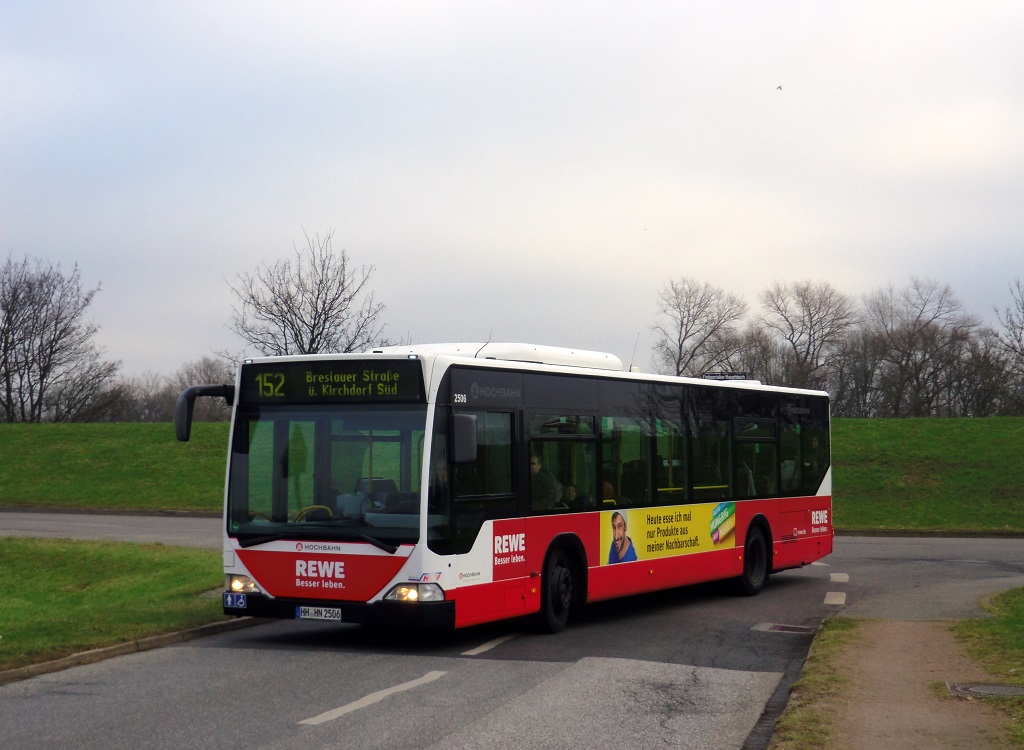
1011,338
759,355
315,302
978,382
926,334
811,319
853,380
151,397
141,398
206,370
697,329
50,367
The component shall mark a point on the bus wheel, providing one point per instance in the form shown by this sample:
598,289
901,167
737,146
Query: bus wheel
755,563
557,593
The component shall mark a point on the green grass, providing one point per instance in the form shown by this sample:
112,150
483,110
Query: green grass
997,642
62,597
807,722
124,466
928,474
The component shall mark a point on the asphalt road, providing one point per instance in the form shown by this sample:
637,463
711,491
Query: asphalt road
690,668
185,531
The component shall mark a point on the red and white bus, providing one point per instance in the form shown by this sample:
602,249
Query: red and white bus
450,485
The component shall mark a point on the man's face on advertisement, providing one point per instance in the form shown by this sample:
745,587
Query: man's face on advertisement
619,531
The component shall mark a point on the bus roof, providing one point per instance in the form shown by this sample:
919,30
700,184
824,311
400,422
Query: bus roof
530,353
519,355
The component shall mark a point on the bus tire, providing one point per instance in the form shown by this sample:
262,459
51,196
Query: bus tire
755,563
558,592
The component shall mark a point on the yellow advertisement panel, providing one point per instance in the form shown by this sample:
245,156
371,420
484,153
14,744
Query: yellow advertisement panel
629,534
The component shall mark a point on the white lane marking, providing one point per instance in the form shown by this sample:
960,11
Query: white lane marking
372,698
489,645
835,598
822,564
839,577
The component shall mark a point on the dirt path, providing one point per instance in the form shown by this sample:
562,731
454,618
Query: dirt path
898,698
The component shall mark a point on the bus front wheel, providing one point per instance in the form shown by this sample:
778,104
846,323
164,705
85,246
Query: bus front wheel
558,590
755,563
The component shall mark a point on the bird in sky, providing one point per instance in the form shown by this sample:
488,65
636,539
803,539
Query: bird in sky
779,88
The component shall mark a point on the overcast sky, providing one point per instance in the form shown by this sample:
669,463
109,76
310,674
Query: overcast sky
519,171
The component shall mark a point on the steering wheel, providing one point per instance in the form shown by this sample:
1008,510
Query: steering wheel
309,509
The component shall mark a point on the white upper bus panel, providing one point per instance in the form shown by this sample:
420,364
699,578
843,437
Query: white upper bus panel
548,355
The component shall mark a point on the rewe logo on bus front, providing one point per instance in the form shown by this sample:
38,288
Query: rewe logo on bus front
509,548
316,574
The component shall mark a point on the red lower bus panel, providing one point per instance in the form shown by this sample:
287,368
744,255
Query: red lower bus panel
610,581
496,601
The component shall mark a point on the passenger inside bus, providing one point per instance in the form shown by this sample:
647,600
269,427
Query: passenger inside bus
543,488
570,496
744,480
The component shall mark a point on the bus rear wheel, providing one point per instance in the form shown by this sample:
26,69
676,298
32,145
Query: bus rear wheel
755,563
558,592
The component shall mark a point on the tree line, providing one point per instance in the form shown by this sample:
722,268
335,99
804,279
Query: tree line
897,352
913,351
52,370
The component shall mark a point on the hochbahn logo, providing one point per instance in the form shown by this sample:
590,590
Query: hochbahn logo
300,547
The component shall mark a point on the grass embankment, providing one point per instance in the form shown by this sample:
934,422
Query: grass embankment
126,466
928,474
62,597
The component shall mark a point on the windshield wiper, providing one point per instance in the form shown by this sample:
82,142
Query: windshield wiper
252,541
378,543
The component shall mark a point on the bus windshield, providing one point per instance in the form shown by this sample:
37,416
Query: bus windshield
340,473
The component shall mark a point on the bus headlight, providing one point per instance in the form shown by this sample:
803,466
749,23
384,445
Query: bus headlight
415,592
242,585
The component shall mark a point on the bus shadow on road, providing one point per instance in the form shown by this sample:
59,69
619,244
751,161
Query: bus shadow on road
601,621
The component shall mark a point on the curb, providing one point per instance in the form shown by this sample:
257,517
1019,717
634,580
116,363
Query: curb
934,533
129,647
110,511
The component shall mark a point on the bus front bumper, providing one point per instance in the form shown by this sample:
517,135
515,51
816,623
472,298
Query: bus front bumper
432,615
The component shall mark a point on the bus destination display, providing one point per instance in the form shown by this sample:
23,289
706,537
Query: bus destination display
337,381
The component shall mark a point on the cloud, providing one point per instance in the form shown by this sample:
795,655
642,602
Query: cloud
517,169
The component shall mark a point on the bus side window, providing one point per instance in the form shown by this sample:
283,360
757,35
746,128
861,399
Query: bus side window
814,445
562,451
755,436
803,444
669,462
712,450
793,414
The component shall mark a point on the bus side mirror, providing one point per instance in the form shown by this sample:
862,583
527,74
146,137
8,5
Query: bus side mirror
463,438
186,403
